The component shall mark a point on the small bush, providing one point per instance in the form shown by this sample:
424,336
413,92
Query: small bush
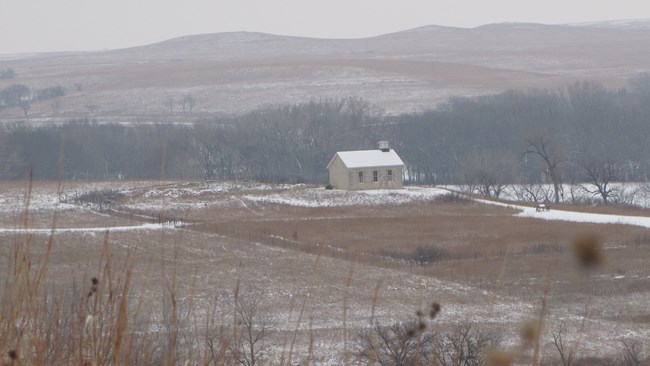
452,197
50,93
395,344
100,197
422,255
411,343
7,74
543,248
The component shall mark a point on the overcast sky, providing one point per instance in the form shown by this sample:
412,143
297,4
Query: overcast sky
76,25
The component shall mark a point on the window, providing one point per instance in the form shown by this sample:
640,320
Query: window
375,176
389,173
360,177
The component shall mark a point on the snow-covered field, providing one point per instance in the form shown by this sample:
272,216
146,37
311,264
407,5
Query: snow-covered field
183,196
320,197
213,262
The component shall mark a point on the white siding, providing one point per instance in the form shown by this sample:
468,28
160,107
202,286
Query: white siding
346,177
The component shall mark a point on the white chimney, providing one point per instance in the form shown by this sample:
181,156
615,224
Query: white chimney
383,146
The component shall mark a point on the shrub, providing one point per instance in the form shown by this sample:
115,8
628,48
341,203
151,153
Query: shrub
7,74
410,343
422,255
452,197
396,344
50,93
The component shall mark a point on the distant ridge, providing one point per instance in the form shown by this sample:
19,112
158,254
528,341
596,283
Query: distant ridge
408,71
620,24
238,38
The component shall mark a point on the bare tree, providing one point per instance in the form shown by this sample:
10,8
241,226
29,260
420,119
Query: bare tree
14,95
465,345
7,74
187,103
488,171
552,157
216,347
532,192
169,102
410,344
248,348
397,344
631,354
600,175
213,150
56,105
25,105
91,106
558,343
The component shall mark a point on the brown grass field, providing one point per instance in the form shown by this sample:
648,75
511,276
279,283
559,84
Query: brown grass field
319,274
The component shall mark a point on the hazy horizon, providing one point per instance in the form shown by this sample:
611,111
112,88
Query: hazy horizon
35,26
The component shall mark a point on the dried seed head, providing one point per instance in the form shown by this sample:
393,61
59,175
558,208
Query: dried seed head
587,250
435,309
422,326
498,358
94,281
410,333
530,331
419,314
10,358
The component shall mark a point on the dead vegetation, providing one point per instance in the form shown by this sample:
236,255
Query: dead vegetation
190,297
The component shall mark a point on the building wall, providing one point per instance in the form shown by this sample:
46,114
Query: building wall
338,174
343,178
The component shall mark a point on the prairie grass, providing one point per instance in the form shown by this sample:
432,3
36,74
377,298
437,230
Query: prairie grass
177,296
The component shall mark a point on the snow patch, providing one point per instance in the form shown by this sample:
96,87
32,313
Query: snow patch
89,229
320,197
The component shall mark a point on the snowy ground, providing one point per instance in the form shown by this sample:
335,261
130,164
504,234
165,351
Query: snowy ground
561,215
87,229
180,196
214,261
629,194
320,197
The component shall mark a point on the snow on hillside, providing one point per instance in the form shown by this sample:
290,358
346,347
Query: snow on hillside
87,229
320,197
304,196
561,215
154,196
47,196
641,24
197,189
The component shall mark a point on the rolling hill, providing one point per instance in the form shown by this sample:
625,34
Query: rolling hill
409,71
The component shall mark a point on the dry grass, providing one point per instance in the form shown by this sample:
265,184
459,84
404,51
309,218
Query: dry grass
163,297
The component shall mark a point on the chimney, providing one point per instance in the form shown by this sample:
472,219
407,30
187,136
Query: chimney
383,146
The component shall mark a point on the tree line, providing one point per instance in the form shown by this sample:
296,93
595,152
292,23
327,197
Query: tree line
583,132
276,143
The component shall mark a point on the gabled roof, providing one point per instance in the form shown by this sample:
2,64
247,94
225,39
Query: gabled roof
368,158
